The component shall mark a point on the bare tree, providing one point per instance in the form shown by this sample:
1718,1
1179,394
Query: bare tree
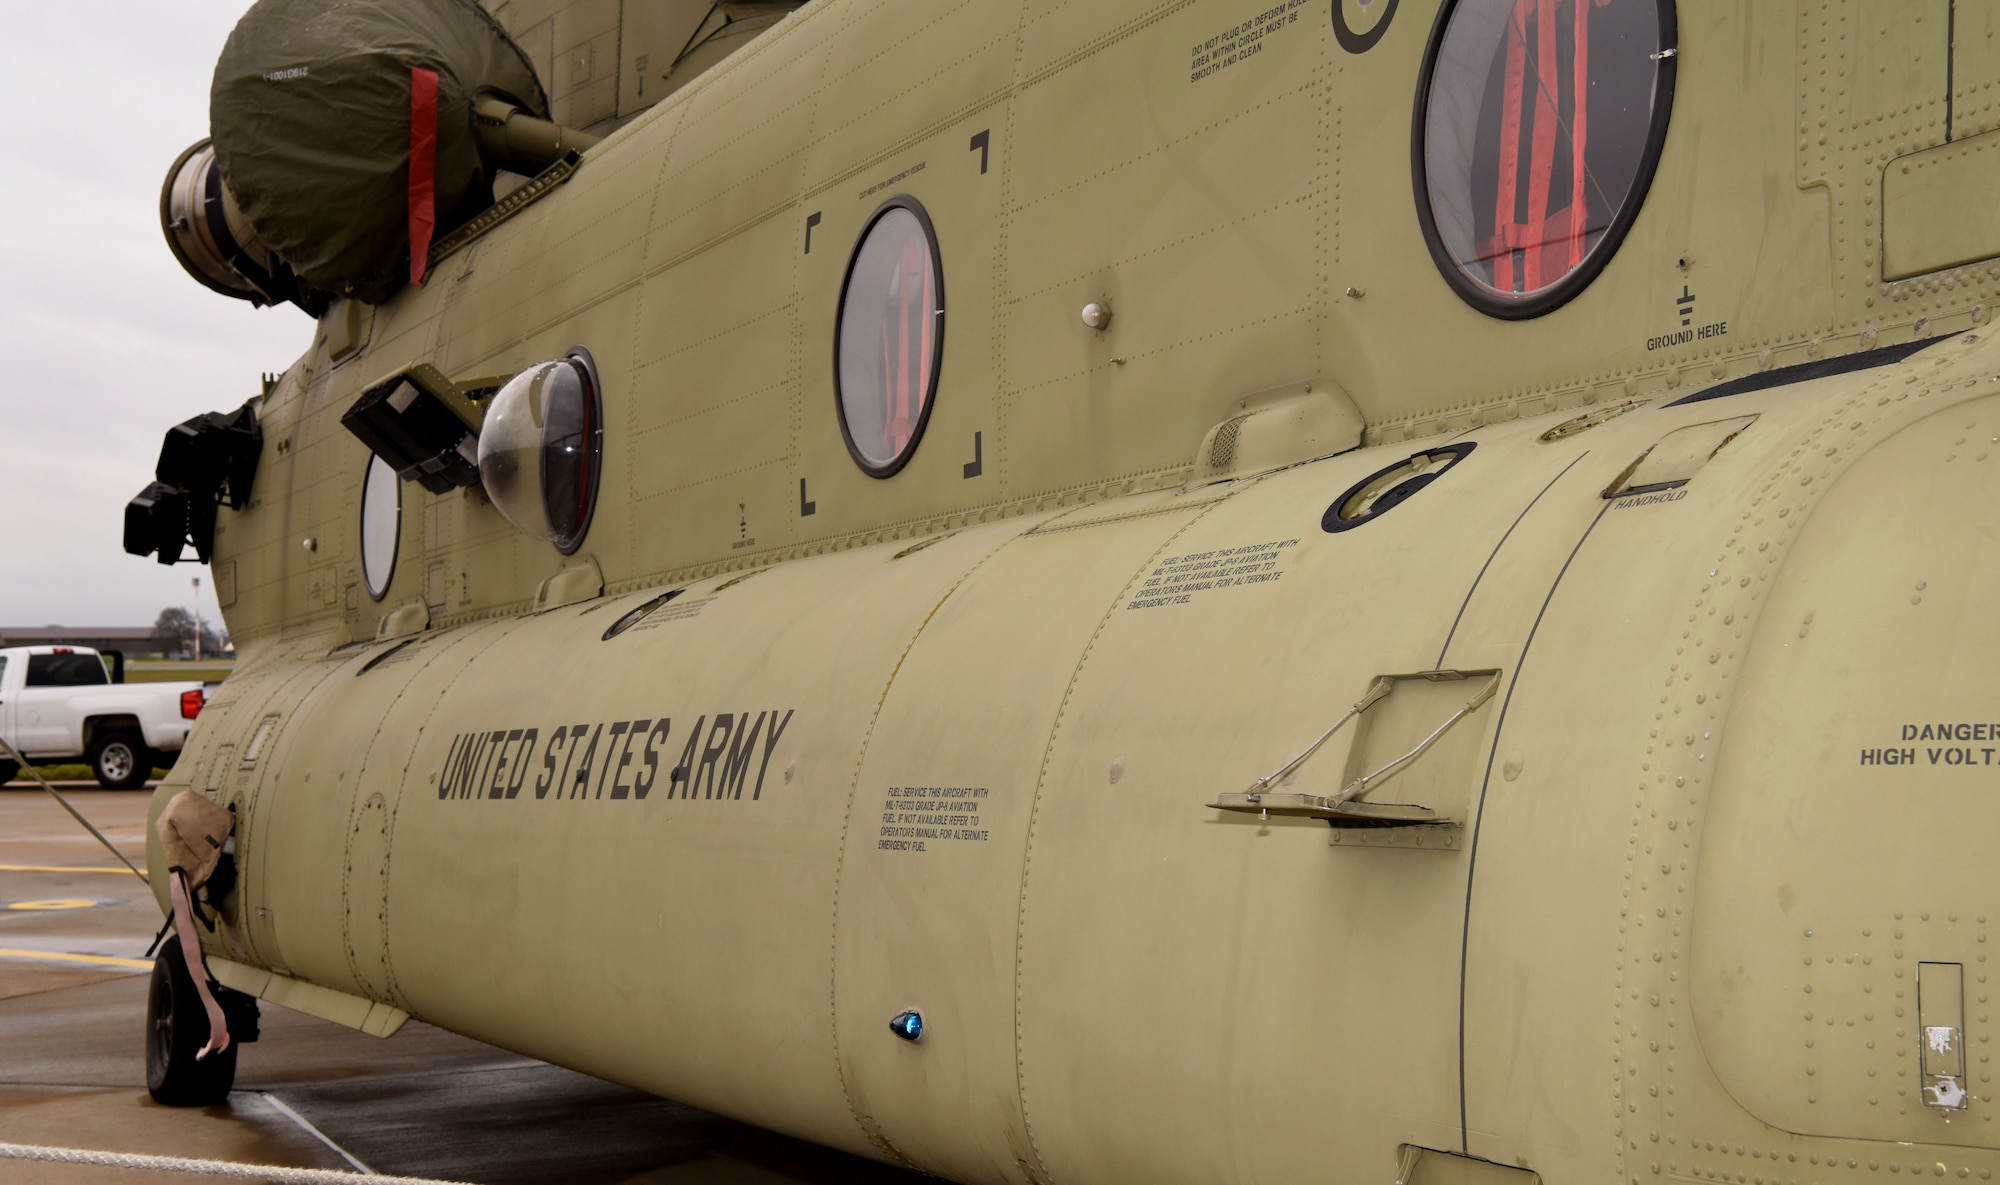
173,633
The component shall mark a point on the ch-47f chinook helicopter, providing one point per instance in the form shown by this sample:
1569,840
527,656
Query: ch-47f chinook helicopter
1138,590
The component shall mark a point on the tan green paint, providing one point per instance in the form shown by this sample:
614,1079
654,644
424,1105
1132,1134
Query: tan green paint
1120,982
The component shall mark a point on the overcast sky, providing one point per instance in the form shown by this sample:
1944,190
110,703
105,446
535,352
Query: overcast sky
107,343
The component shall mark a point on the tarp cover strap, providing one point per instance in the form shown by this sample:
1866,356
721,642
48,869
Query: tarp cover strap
423,167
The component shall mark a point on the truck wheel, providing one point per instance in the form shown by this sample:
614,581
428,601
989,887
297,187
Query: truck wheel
176,1028
120,761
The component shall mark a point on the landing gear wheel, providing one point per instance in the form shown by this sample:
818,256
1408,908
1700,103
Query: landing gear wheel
8,768
176,1028
121,761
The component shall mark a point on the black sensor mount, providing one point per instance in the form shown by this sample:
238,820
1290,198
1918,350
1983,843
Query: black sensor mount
422,426
206,462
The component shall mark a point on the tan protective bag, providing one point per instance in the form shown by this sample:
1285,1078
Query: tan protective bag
192,830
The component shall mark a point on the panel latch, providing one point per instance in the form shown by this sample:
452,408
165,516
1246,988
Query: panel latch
1941,1019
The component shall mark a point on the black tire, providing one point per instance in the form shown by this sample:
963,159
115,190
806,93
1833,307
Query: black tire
120,761
8,768
177,1028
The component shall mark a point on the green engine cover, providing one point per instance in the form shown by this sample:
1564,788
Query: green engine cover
310,112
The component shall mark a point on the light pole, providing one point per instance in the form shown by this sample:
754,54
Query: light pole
197,619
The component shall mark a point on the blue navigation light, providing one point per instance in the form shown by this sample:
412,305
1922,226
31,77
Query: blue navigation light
909,1025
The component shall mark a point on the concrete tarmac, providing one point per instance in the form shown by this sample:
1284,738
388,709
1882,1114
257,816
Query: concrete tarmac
74,928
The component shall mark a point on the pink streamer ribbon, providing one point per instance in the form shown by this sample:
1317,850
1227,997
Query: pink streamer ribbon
218,1027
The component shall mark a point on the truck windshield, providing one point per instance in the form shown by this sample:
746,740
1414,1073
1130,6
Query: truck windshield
65,670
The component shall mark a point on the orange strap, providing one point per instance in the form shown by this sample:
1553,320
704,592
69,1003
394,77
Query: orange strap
1549,241
1579,129
1506,190
1542,158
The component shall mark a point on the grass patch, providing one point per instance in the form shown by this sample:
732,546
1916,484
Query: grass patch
56,773
176,672
65,773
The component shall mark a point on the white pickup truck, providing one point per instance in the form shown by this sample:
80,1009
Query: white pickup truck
58,703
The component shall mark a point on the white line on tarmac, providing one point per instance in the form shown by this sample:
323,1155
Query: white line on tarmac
60,956
282,1108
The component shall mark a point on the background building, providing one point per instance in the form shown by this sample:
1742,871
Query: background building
135,641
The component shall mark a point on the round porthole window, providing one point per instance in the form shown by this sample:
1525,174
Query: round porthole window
540,449
1538,126
381,526
890,337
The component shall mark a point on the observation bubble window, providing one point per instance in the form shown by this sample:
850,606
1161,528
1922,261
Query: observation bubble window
890,337
540,449
381,525
1539,124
